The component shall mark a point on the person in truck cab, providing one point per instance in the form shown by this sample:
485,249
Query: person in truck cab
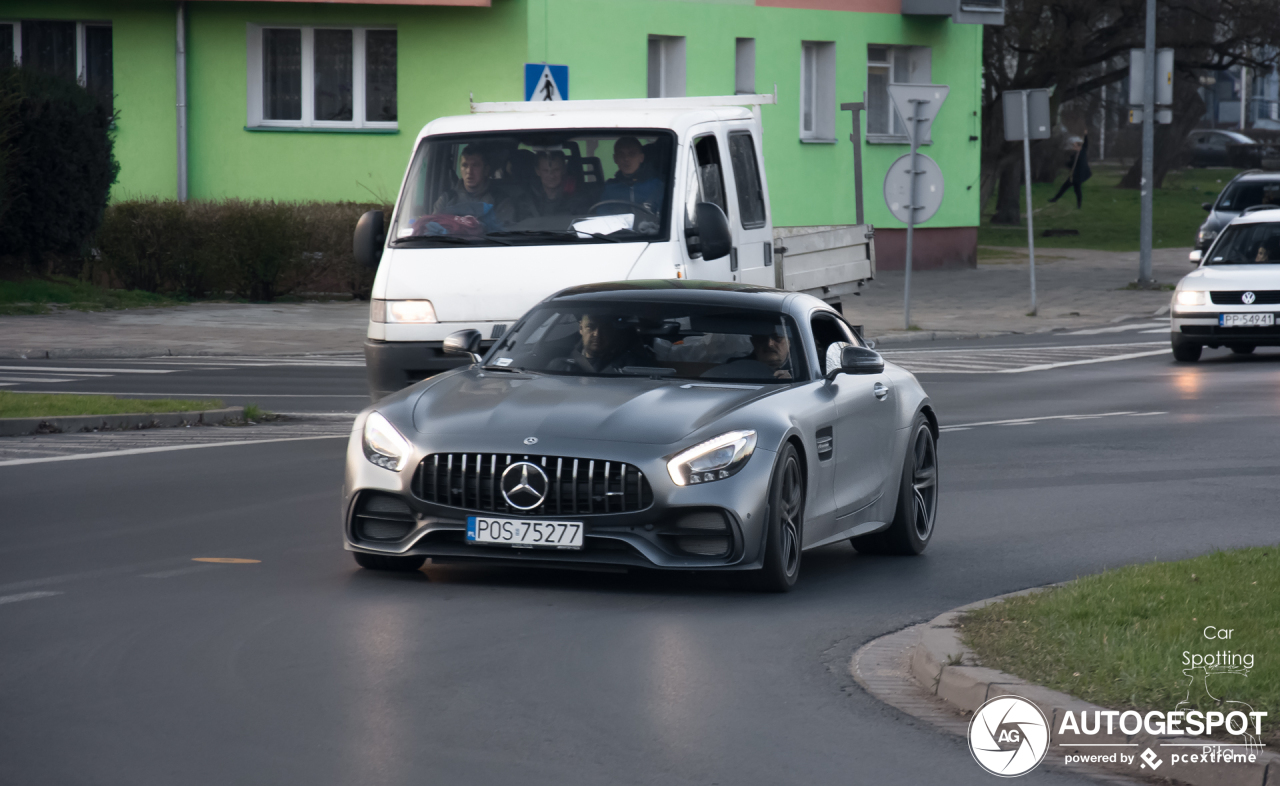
552,192
473,195
635,182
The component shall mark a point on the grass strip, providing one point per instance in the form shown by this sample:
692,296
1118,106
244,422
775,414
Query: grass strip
51,405
43,295
1121,638
1109,219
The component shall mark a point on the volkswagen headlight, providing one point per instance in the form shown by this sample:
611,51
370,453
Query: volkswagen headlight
715,459
402,312
383,445
1189,297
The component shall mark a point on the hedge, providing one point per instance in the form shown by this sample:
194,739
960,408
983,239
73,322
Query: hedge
257,250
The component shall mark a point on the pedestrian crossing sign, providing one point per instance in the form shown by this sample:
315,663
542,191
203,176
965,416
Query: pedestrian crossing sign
544,82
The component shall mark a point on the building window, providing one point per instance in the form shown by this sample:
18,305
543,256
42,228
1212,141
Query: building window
322,77
666,66
79,51
744,67
888,65
817,91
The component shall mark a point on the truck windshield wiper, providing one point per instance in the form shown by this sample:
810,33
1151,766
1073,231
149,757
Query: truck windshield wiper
556,233
457,240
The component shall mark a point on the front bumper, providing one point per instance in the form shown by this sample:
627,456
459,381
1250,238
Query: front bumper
1201,327
394,365
648,538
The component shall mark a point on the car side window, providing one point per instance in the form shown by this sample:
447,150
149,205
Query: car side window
830,336
746,174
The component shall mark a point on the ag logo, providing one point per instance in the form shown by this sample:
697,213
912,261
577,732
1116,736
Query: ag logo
1008,736
1248,298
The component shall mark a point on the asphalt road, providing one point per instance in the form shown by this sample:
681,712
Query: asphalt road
126,662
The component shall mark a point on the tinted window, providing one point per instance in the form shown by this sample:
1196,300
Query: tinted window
662,340
742,152
1247,193
1245,244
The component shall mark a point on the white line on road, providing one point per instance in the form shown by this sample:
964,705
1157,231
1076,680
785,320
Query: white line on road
166,574
163,449
172,393
35,367
1047,366
26,596
1116,329
1025,421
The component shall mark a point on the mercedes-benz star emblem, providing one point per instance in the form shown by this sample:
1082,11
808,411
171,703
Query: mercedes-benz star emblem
530,440
524,485
1248,298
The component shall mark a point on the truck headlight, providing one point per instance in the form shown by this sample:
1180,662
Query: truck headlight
383,445
715,459
1189,297
402,312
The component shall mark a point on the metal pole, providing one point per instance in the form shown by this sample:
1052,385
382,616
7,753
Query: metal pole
856,139
1244,97
911,210
182,101
1026,160
1102,127
1148,145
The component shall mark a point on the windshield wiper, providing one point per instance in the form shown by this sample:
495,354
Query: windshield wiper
558,233
653,372
457,240
512,369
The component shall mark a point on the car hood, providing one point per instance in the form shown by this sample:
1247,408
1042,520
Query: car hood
532,405
1231,277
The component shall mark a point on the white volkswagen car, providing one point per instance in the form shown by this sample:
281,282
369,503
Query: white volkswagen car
1233,297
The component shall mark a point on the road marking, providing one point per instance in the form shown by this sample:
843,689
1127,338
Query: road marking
54,380
38,368
1117,328
1028,421
1015,359
172,393
1047,366
227,560
166,574
162,449
26,596
1157,330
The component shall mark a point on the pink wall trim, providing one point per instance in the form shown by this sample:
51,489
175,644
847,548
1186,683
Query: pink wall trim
941,248
478,3
866,6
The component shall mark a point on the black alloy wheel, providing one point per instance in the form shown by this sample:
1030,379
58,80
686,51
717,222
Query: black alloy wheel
388,562
784,537
1186,351
912,527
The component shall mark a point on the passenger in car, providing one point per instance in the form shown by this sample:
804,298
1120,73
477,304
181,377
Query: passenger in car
635,183
474,196
770,357
604,346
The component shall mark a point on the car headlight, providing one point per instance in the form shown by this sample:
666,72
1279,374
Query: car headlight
402,312
1189,297
1206,236
715,459
383,445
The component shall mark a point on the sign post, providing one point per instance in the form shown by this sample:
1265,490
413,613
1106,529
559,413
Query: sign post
917,105
856,139
1026,117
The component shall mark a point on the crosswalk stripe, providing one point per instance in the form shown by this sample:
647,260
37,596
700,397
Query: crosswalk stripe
1116,328
1013,360
36,368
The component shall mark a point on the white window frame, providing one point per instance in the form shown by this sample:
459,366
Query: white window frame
81,77
744,66
357,121
919,71
665,66
818,94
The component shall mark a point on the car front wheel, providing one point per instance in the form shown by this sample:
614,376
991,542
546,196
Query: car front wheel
1186,351
783,539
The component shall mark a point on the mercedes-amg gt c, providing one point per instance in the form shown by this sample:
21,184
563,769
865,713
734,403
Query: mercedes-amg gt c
659,424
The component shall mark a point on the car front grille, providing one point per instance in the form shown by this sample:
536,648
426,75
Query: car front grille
1269,297
472,481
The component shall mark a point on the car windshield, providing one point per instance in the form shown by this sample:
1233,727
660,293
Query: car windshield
678,340
1247,244
543,187
1247,193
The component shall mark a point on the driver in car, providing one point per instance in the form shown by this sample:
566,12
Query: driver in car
770,356
635,183
604,346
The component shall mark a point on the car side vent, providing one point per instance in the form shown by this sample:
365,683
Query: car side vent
826,443
704,534
383,517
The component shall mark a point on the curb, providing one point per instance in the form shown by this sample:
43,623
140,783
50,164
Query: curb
54,353
13,427
937,661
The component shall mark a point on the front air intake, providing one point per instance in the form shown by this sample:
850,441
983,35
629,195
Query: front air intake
383,517
703,534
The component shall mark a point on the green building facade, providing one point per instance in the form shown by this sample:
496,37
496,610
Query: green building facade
368,75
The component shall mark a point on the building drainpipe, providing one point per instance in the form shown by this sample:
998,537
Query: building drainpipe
182,100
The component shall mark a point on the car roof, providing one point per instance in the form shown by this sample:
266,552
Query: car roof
677,120
688,291
1271,216
1257,175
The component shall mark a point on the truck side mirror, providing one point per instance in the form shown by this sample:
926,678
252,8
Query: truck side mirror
858,360
369,239
463,342
713,230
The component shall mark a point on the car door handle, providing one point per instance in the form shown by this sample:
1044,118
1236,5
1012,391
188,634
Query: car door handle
881,390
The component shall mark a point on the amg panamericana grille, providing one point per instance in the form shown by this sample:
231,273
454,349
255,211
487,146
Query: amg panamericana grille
577,486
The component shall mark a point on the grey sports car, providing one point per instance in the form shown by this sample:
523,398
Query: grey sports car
678,424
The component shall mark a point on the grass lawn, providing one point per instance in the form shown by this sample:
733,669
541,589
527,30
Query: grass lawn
1118,638
42,405
39,295
1109,219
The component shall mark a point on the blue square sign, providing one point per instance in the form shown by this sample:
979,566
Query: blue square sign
544,82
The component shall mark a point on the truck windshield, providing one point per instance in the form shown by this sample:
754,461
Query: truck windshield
1247,244
538,187
637,339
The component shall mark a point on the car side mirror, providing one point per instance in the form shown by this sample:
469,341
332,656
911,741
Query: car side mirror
369,239
713,230
463,342
858,360
1196,256
1207,205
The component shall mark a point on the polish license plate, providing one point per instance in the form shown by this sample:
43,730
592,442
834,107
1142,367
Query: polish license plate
524,533
1246,320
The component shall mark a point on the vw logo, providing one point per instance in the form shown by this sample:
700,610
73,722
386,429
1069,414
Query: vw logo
1248,298
524,485
530,440
1008,736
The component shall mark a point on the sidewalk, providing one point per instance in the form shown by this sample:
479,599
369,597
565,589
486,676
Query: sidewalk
1076,289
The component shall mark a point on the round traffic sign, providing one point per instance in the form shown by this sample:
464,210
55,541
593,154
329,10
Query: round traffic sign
897,188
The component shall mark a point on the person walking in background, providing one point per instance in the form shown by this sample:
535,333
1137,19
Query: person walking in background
1079,171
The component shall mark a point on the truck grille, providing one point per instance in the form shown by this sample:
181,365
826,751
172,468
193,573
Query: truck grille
576,485
1261,298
